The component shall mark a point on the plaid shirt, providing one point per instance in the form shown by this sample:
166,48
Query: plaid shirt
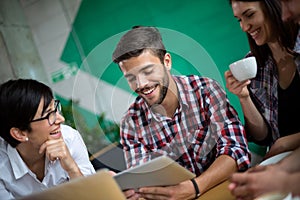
264,93
297,45
203,127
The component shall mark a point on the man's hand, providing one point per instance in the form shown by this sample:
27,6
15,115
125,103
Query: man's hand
131,195
182,191
257,181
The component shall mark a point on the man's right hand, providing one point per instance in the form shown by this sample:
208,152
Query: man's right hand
131,195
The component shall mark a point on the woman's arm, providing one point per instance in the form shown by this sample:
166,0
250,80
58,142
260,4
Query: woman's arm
292,162
254,122
283,144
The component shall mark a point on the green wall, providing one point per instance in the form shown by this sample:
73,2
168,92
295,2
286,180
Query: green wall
208,23
195,32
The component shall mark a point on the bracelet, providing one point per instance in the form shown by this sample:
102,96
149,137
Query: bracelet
196,188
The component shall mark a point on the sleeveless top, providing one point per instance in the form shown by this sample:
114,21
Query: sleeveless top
289,108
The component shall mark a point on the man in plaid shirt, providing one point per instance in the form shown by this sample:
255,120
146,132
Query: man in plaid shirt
188,118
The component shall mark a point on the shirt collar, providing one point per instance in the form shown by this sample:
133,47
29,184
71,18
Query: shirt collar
183,104
182,92
19,168
297,44
18,165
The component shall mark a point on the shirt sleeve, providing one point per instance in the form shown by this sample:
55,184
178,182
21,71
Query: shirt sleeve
4,194
135,151
226,126
78,150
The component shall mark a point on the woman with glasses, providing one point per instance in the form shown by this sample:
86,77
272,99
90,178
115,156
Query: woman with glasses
36,150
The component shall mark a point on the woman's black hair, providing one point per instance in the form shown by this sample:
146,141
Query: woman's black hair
19,101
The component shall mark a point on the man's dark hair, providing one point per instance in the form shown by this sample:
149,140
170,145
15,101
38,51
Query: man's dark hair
19,101
136,41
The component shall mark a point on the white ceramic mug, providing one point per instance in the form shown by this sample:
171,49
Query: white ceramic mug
244,69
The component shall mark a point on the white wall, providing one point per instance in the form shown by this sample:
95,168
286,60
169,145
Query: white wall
50,22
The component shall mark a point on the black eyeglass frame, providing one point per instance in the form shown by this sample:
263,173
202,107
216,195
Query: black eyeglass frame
57,108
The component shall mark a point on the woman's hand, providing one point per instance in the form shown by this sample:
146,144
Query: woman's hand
234,86
57,150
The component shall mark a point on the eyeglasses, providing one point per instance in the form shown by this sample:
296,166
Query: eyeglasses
51,116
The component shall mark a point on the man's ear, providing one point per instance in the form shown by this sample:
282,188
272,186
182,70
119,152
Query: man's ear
18,134
168,61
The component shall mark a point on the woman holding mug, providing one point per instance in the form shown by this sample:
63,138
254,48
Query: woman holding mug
270,101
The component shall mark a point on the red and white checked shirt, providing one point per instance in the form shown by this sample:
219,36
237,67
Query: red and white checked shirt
203,127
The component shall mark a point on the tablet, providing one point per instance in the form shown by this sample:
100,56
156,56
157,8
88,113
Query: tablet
275,159
99,186
161,171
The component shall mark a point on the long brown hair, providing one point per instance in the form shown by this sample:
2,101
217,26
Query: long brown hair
286,32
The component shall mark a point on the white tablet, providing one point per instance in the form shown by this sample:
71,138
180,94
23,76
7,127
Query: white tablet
275,159
161,171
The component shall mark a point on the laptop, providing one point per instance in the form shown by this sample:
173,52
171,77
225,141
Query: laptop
99,186
161,171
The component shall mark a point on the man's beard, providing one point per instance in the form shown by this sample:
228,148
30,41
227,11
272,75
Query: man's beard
164,88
